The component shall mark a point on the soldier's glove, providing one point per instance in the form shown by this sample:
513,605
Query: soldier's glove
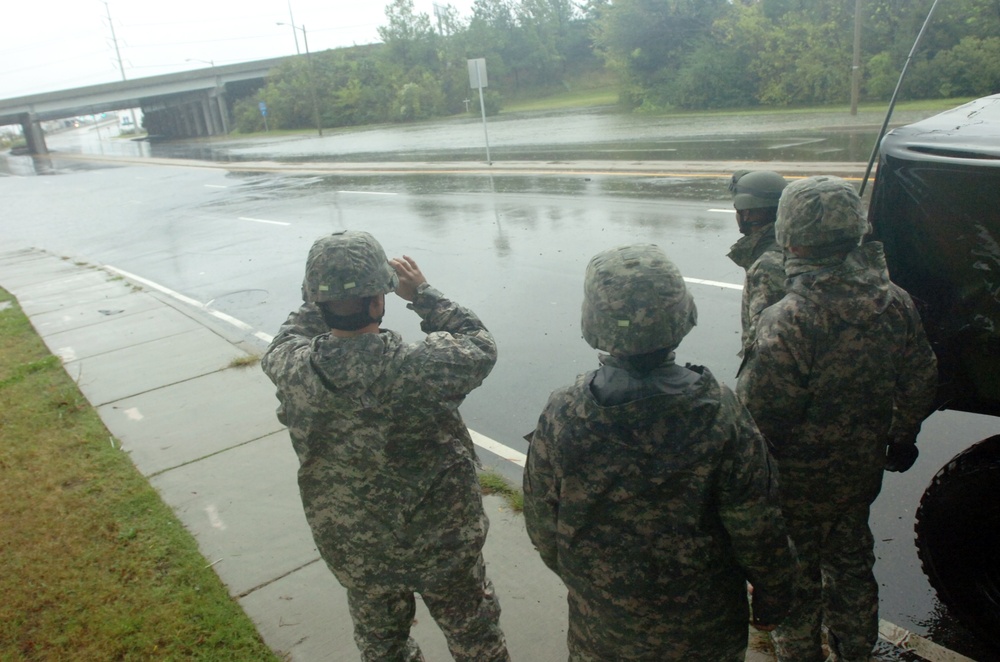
900,456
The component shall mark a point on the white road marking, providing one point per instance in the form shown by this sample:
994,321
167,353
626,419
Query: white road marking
215,186
156,286
713,283
723,211
495,447
368,192
242,326
261,220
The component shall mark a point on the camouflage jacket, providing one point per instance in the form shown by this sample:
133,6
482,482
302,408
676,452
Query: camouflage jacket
839,367
763,260
654,499
387,467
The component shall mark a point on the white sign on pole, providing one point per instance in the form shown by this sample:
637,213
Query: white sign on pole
477,80
477,73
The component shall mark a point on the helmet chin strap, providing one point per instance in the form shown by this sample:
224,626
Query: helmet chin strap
352,322
747,227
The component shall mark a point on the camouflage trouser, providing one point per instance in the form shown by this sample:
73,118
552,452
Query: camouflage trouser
713,631
577,655
464,606
836,587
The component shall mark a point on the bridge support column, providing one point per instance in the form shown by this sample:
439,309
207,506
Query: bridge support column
189,121
33,134
210,127
220,103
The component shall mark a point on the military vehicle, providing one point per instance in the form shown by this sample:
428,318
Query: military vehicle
936,207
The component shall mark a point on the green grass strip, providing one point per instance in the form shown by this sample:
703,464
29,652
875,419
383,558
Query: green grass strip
95,565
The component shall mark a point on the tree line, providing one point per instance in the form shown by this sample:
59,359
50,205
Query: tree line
661,54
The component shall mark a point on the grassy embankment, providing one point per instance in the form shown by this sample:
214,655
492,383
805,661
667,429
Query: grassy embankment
607,95
96,566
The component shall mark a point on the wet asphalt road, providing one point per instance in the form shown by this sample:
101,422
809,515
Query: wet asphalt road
512,247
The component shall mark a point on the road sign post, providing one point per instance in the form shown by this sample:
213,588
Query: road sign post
477,80
263,113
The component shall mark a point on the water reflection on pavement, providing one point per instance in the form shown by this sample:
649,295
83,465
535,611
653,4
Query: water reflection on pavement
584,135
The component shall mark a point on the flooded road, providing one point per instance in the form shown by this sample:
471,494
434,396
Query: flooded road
592,134
511,247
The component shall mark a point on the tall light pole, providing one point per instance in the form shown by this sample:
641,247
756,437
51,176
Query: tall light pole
295,35
312,73
856,63
118,55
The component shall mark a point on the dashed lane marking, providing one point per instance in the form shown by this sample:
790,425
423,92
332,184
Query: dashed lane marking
713,283
261,220
495,447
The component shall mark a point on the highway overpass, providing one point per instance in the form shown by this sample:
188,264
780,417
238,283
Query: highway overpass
180,105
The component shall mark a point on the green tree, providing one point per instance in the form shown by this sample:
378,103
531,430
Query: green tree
646,41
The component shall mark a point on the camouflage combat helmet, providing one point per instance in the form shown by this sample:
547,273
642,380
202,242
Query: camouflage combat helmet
820,211
635,301
344,265
756,189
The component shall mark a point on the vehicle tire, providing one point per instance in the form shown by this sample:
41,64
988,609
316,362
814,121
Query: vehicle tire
958,537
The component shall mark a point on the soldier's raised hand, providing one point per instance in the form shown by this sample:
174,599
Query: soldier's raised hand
410,276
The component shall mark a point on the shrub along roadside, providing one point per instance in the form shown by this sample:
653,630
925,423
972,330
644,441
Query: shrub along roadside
96,566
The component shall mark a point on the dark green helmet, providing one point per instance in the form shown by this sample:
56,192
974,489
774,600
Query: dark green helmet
756,189
820,211
346,265
635,302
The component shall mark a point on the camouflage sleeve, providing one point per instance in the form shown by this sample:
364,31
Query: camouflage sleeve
294,336
287,356
751,514
459,352
773,380
541,489
438,313
765,286
916,381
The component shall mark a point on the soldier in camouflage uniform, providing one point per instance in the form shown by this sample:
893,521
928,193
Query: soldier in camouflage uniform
648,488
387,467
838,378
755,198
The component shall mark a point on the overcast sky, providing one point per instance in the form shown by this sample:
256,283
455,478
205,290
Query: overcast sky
50,46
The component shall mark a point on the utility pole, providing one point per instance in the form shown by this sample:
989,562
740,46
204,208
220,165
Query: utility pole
118,55
114,39
291,20
312,81
856,64
311,70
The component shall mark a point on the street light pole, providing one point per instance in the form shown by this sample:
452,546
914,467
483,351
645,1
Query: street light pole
118,55
856,62
312,73
295,35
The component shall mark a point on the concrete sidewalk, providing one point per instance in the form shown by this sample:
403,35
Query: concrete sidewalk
159,373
